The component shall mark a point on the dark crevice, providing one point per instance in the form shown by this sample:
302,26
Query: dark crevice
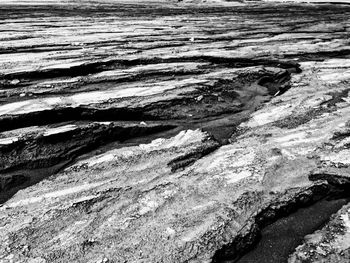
12,182
190,112
45,151
301,214
223,97
188,159
243,243
99,66
334,179
31,160
88,84
319,55
217,109
58,115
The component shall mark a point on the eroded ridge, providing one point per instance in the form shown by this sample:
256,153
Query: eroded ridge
197,195
65,94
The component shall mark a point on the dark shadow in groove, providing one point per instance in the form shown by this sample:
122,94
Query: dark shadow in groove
99,66
272,240
70,114
278,240
16,178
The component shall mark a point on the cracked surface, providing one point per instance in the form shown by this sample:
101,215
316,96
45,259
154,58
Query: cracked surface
238,158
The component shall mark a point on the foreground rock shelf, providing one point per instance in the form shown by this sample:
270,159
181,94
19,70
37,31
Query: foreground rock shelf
168,133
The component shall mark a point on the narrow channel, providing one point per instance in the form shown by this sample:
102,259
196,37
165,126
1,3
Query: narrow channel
279,239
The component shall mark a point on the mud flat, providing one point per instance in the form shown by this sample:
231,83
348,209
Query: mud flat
171,132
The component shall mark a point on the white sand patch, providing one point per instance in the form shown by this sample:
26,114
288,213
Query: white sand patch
10,140
61,129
